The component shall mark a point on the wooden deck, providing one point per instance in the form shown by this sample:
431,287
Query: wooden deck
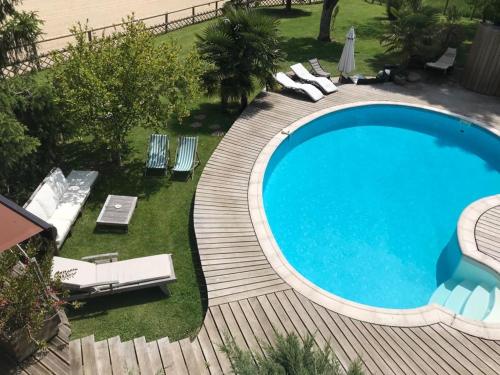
487,233
250,302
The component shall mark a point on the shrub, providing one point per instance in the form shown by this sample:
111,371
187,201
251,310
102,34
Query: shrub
289,356
243,51
112,84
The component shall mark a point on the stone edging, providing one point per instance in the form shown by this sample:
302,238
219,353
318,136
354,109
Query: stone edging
425,315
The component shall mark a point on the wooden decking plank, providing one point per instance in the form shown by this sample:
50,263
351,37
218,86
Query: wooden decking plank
116,355
254,324
246,331
217,333
208,352
275,305
143,359
155,357
269,329
303,315
446,367
165,356
130,358
89,355
294,318
253,292
230,324
242,282
261,271
54,364
103,358
322,328
76,362
192,365
199,357
492,355
362,339
392,359
178,363
414,361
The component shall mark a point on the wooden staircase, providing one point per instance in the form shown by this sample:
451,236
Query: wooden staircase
136,357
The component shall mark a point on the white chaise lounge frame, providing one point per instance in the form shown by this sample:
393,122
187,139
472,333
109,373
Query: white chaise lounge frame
304,88
325,84
111,283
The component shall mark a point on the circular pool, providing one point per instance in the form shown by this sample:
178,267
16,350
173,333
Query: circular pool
363,202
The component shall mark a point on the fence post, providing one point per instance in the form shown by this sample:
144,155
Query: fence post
89,35
216,8
166,22
193,14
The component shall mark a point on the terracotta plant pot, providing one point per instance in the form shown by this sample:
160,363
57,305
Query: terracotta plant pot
19,345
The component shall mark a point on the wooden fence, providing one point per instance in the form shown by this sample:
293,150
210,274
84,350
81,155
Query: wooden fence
159,24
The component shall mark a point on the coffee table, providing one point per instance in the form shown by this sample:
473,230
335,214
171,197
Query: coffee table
117,212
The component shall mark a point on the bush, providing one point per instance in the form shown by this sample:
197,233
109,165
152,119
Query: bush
243,51
115,83
289,356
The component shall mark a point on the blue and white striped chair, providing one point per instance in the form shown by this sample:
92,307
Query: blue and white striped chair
158,153
186,158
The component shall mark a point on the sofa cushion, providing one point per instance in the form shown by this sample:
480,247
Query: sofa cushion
47,198
58,182
63,226
67,211
36,209
81,179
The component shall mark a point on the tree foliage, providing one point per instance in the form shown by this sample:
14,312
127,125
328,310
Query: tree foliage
112,84
18,32
288,356
243,51
413,30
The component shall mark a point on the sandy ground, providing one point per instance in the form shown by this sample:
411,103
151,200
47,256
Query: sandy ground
60,15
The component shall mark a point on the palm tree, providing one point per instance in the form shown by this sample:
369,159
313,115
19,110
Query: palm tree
290,356
243,52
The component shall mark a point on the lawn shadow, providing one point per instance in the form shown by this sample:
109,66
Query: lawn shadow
305,48
374,28
100,306
282,13
195,255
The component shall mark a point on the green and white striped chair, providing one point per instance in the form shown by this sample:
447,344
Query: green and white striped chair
186,158
158,152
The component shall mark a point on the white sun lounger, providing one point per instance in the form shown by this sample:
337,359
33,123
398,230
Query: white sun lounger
323,83
305,88
102,274
445,62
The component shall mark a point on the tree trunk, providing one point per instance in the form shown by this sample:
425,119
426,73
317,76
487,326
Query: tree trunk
446,6
326,19
288,6
243,102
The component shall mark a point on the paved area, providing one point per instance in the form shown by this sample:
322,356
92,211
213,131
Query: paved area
60,15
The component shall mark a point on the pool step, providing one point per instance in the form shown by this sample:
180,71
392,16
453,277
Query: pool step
494,315
442,293
459,296
479,303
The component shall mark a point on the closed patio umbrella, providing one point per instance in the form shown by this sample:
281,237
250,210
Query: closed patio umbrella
346,62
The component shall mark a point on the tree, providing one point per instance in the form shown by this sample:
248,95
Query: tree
326,19
392,6
409,33
289,356
288,5
18,33
243,50
15,143
115,83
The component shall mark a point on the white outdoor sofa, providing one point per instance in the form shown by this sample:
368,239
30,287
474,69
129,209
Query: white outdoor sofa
103,274
58,200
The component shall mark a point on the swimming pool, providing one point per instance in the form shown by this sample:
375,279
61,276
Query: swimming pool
364,202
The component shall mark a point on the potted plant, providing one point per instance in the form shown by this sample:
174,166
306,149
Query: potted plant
29,306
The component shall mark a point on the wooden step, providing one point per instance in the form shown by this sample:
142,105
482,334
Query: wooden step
89,356
130,359
103,357
154,355
76,364
116,356
143,358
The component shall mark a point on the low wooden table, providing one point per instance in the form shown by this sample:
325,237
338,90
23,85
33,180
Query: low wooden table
117,212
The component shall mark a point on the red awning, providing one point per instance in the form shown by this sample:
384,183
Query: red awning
17,224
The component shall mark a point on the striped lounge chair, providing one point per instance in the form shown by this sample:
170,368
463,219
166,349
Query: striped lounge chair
158,153
186,158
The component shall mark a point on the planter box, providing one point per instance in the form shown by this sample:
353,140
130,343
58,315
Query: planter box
19,346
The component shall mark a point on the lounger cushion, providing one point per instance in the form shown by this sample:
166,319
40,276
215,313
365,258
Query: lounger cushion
66,211
83,273
47,199
136,270
62,226
57,182
36,209
81,179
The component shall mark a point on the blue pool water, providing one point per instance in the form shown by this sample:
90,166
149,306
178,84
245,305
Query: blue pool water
365,201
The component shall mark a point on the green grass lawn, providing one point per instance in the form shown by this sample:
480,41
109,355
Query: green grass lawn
161,222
